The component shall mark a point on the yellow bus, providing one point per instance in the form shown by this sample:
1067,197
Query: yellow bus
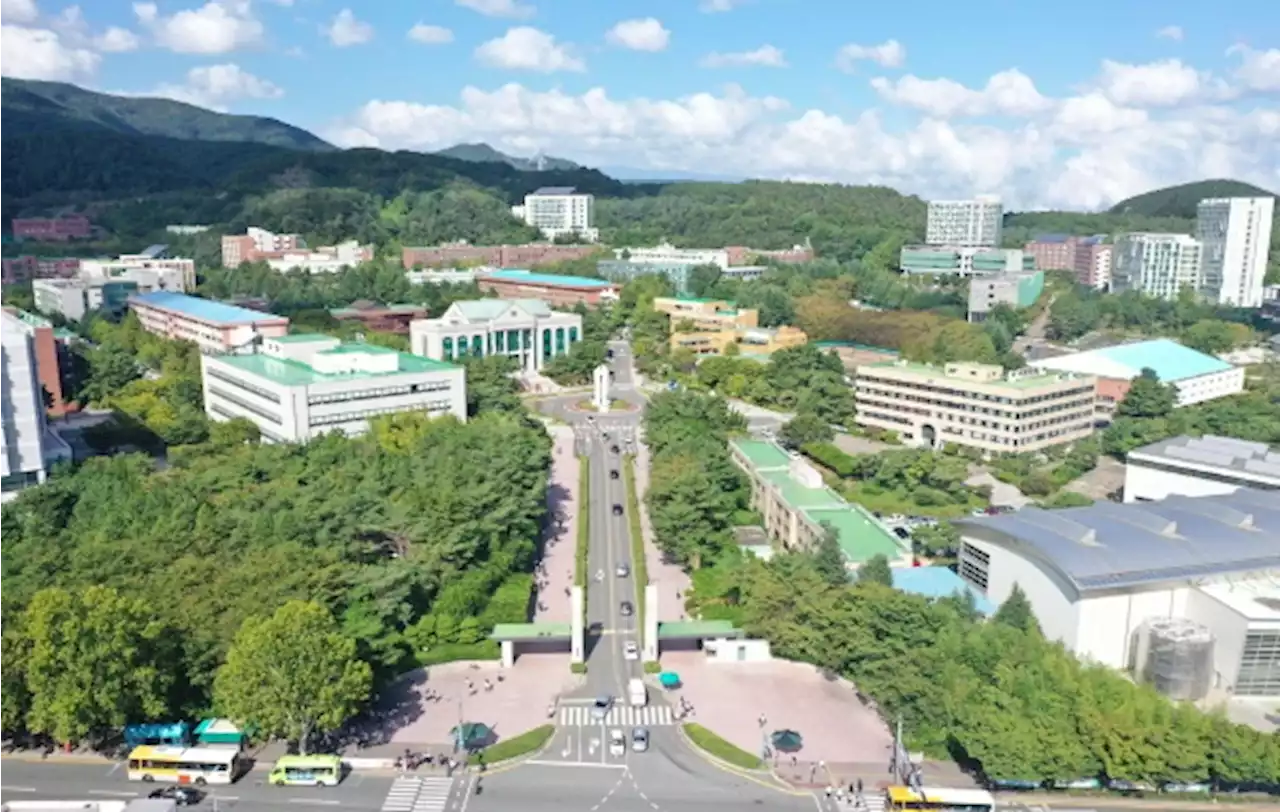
306,771
185,765
935,799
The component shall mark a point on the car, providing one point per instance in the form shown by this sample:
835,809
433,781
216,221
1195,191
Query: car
626,609
902,533
613,474
617,743
600,708
630,650
614,448
639,740
622,571
617,509
182,796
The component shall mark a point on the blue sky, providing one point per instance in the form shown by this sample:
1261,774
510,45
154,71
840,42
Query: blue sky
1087,103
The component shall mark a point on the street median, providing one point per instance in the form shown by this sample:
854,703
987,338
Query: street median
721,749
583,551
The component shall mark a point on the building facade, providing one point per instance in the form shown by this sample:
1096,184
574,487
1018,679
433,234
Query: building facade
148,271
497,256
26,268
301,386
977,223
1199,466
797,507
444,276
1159,265
560,211
744,255
325,259
1018,290
48,352
212,326
391,318
255,244
750,340
1236,235
706,314
667,254
975,405
557,290
525,330
29,447
624,270
963,261
74,298
1089,258
53,229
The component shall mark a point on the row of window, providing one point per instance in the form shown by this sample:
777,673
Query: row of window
380,392
1259,665
262,392
974,566
364,414
265,414
1229,479
270,435
1066,412
965,402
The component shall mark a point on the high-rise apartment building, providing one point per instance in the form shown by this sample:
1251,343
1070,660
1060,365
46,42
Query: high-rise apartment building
1089,258
1236,234
973,223
1158,265
559,211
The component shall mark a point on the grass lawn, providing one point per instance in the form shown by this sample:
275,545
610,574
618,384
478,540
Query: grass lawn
452,652
531,741
721,749
899,501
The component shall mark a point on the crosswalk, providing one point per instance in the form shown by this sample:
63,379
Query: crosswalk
619,715
871,802
411,793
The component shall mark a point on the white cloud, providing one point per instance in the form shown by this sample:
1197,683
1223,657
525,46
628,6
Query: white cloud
21,12
1173,32
645,34
1008,93
510,9
116,40
346,30
525,48
766,56
214,86
216,27
1165,83
1258,71
718,6
430,34
889,54
40,53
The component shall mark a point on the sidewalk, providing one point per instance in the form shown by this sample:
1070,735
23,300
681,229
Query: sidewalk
555,571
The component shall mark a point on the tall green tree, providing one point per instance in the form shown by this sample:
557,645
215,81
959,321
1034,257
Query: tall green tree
1148,397
876,570
804,429
1016,611
828,558
294,674
490,387
97,660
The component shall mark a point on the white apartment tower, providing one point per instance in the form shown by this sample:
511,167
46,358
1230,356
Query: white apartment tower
559,211
1236,234
973,223
1158,265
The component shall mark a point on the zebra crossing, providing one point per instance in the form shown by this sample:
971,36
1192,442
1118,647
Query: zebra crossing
619,716
871,802
411,793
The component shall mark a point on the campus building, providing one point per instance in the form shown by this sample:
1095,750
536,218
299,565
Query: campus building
1182,591
25,268
53,229
623,271
668,254
30,446
745,255
1018,289
444,276
963,261
527,255
255,244
526,330
797,506
706,314
1199,466
289,252
559,211
976,223
1197,377
48,348
557,290
1089,258
390,318
1159,265
757,341
212,326
1236,235
975,405
303,385
74,298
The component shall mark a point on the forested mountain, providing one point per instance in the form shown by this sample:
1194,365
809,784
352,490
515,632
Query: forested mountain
40,108
483,153
1180,201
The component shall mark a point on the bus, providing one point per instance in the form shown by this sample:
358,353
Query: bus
935,799
306,771
185,765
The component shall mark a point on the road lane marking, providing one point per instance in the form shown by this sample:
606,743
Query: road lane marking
318,801
232,798
114,793
18,789
592,764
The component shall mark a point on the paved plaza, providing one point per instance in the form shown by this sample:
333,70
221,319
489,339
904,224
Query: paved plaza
555,575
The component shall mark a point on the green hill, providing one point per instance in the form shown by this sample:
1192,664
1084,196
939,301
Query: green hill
32,108
1180,201
483,153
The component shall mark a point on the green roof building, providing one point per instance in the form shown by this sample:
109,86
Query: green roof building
797,506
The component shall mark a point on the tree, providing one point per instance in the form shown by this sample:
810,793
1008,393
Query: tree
15,699
1016,612
97,659
941,539
828,558
293,674
1148,397
111,368
703,278
804,429
490,387
876,570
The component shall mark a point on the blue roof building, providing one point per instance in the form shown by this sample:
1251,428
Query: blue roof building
1197,377
214,326
939,582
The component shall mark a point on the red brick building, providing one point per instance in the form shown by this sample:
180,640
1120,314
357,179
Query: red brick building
557,291
48,359
392,318
26,268
498,256
1089,258
742,255
53,229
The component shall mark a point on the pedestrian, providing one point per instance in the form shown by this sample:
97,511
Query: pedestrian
488,686
794,759
828,793
859,786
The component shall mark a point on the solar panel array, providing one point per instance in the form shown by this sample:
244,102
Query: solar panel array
1219,452
1107,545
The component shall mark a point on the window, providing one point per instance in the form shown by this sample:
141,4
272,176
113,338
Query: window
1260,665
243,403
239,383
447,343
974,566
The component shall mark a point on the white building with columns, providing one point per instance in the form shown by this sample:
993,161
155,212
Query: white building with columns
527,330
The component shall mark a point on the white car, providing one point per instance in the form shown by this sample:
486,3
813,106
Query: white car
617,743
630,650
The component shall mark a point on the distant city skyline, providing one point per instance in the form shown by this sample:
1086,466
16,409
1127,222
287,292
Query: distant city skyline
1044,109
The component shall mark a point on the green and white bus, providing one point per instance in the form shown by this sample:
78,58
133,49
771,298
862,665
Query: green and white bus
306,771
